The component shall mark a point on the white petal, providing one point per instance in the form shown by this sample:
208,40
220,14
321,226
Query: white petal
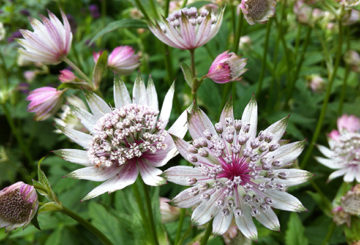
227,111
249,116
167,105
121,94
198,123
207,209
86,118
149,174
269,219
288,153
74,155
97,105
326,151
139,92
284,201
245,223
293,176
94,173
181,174
152,99
337,173
350,175
78,137
126,176
186,198
277,129
180,126
221,223
330,163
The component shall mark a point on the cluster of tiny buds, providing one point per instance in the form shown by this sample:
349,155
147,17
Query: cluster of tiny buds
240,165
192,15
126,133
348,146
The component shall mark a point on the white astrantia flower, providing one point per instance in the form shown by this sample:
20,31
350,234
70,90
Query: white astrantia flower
237,175
124,140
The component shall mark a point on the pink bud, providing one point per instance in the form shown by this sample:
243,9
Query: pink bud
123,60
96,55
349,123
29,75
66,76
334,135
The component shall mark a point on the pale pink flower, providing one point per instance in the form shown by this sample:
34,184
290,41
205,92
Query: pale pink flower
50,41
341,217
227,67
124,140
316,82
258,11
123,60
30,75
66,76
187,28
245,42
168,213
344,152
237,175
96,55
305,13
351,17
18,205
44,102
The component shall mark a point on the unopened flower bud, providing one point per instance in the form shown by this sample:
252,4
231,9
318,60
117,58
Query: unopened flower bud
66,76
315,82
256,11
123,60
168,213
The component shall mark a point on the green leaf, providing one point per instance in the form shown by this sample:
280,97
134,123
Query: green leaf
35,221
295,231
124,23
323,203
50,206
187,74
99,69
55,237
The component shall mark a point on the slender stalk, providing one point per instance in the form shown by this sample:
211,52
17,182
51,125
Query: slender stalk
297,41
207,234
346,76
233,18
78,70
167,7
184,3
87,225
195,82
238,33
180,225
142,9
286,50
150,212
186,234
327,95
331,230
263,64
154,9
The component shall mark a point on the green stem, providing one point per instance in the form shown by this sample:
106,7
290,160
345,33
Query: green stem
327,95
180,225
184,3
153,6
78,70
207,234
87,225
150,212
233,18
167,6
142,9
297,42
195,82
263,65
238,33
331,230
346,76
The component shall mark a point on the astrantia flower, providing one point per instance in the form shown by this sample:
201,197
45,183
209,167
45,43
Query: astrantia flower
237,175
50,41
350,202
226,67
123,60
168,213
350,3
344,151
18,205
66,76
124,140
44,102
187,28
258,11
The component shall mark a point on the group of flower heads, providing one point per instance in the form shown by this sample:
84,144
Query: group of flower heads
238,173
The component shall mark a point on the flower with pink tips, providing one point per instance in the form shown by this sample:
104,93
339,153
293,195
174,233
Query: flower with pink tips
237,176
123,60
66,76
343,155
124,141
258,11
44,102
18,205
187,28
227,67
50,41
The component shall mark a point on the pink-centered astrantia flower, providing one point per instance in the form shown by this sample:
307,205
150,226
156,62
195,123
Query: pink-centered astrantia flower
237,175
124,140
258,11
344,151
44,102
18,205
187,28
50,41
123,60
227,67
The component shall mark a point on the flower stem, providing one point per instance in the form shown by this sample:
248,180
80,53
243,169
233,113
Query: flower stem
346,76
207,234
167,6
87,225
180,225
331,230
78,70
142,9
150,212
195,82
153,6
238,33
263,65
327,95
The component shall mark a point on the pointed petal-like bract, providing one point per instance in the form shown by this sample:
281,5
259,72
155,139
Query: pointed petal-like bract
121,94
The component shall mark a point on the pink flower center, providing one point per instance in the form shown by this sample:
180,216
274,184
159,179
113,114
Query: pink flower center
238,167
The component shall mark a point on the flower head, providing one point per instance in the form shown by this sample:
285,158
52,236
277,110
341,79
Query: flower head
344,152
226,67
237,175
351,201
124,140
123,60
350,3
18,205
187,28
66,76
44,102
50,41
258,11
